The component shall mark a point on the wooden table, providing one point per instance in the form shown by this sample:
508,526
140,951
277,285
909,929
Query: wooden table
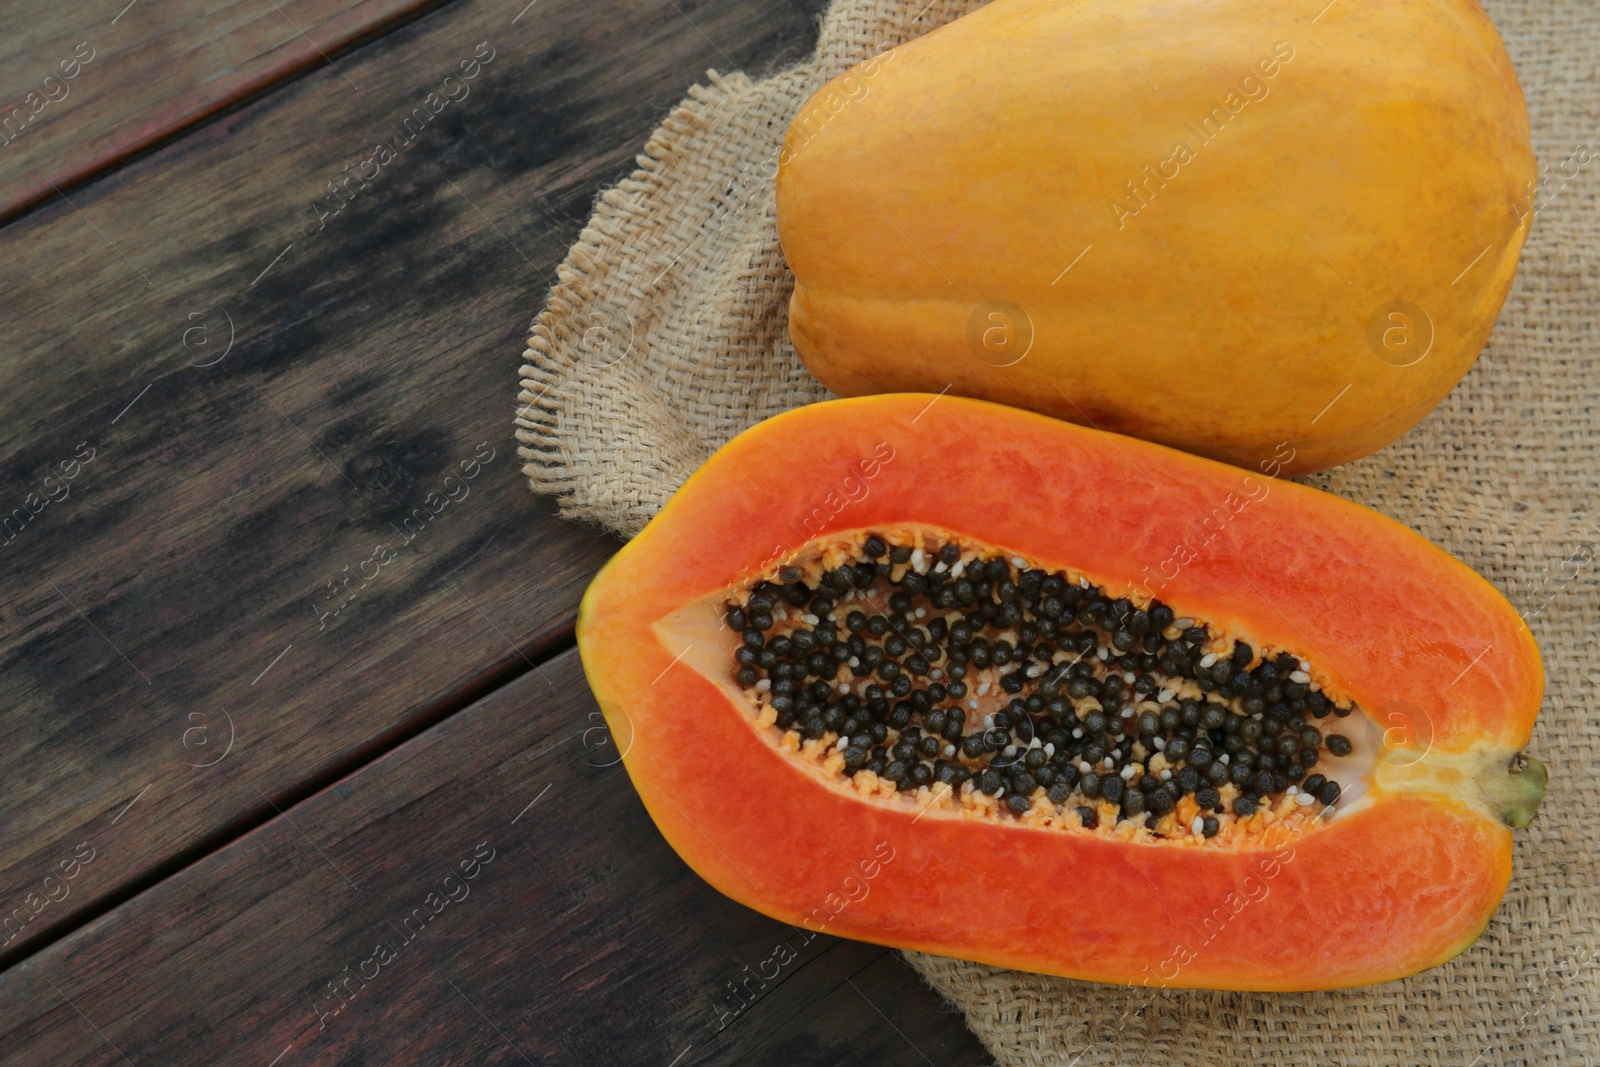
287,641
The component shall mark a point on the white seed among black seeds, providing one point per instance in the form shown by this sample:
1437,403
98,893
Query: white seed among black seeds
1087,685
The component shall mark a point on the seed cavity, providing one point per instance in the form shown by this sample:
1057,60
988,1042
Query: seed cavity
924,660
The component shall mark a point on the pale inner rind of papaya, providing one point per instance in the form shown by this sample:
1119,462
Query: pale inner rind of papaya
700,636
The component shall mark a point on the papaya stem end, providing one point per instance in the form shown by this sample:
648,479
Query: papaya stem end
1519,791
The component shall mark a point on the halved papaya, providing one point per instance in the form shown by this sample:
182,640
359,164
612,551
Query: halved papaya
944,675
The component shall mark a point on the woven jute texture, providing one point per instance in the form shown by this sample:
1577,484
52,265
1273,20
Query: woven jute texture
666,335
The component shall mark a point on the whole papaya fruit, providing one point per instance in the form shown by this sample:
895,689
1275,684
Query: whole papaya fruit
946,675
1218,224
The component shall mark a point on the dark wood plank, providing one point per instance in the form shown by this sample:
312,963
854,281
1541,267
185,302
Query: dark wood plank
866,1007
82,86
581,937
199,577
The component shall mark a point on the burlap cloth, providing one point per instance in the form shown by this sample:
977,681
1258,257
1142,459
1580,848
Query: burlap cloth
666,335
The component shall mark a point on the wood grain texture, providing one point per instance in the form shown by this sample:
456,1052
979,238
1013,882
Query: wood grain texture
124,75
528,912
258,481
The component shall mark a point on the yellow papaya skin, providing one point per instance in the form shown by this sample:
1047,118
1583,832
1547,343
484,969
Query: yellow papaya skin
1223,225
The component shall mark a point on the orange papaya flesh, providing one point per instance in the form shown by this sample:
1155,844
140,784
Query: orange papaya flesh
1438,680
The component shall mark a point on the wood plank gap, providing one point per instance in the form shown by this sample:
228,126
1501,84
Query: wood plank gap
70,182
527,661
